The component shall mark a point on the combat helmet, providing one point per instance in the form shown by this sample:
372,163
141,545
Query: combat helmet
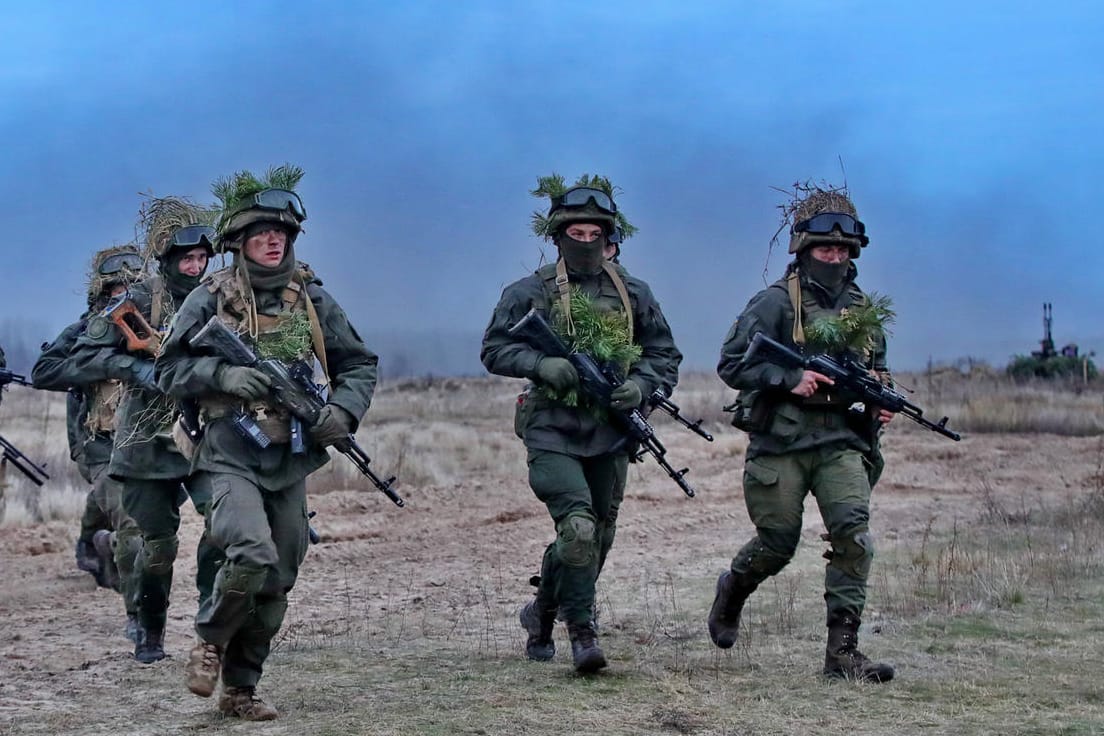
175,223
247,200
590,199
824,216
119,264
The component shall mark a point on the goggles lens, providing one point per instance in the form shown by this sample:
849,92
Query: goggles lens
826,222
281,199
194,235
580,196
120,261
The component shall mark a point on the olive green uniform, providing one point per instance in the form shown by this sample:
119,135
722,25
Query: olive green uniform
258,512
577,462
90,380
146,460
802,445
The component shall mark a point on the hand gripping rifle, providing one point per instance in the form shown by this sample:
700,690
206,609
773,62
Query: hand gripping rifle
7,377
293,389
849,375
659,400
35,473
138,332
598,382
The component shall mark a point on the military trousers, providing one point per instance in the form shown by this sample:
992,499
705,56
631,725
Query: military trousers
264,535
94,517
155,506
583,496
775,487
106,497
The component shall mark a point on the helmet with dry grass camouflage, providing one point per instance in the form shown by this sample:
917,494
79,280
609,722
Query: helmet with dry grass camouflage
808,230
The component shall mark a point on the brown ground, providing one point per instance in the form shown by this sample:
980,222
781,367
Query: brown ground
447,573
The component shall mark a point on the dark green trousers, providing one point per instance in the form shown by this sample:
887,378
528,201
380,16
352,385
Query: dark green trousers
583,496
775,487
126,539
155,506
263,534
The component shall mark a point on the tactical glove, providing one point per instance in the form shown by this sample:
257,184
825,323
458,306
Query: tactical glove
626,396
334,425
141,374
558,373
239,380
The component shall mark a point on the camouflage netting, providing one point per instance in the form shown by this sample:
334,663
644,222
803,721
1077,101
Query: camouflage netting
553,185
160,217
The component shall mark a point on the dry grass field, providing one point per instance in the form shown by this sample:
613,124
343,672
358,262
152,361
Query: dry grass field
987,592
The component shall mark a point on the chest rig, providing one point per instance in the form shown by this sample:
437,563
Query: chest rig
556,285
236,307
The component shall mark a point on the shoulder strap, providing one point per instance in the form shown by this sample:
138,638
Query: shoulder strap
157,293
793,285
317,340
565,294
619,284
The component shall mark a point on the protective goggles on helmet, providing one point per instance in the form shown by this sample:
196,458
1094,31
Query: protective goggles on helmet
826,222
581,196
120,261
193,236
280,199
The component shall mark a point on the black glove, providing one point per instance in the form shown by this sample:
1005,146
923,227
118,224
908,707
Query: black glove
239,380
141,374
558,373
334,425
626,396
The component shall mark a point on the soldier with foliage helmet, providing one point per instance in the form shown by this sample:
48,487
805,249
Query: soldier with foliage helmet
259,506
577,459
805,436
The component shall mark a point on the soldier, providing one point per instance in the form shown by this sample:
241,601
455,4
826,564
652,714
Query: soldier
259,507
577,459
109,539
145,458
802,437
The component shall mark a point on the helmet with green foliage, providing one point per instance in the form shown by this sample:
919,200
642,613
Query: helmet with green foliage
590,199
824,215
114,266
248,200
175,223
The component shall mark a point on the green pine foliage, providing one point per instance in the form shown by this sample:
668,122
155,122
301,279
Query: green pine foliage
603,335
854,330
554,185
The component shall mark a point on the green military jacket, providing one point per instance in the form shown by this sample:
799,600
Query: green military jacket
553,426
61,368
792,423
186,374
143,444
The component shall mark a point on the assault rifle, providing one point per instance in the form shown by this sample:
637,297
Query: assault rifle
7,377
598,382
659,400
35,473
849,375
293,389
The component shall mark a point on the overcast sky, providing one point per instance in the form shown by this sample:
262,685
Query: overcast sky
969,135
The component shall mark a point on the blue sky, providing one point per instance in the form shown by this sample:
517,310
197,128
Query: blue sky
968,135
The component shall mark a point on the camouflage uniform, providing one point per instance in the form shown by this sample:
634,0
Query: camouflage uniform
801,445
91,402
577,462
258,496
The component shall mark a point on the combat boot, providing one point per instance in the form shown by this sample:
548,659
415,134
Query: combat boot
842,658
133,628
202,671
87,559
585,651
539,624
150,646
108,576
724,616
242,702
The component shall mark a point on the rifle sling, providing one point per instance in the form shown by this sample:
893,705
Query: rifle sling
565,294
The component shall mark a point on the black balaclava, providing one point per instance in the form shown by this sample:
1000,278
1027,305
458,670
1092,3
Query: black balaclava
179,284
581,257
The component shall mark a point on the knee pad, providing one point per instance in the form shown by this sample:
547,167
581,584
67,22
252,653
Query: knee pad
127,543
576,539
239,579
853,552
769,552
160,554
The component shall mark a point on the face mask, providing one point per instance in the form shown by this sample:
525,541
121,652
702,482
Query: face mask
581,257
828,275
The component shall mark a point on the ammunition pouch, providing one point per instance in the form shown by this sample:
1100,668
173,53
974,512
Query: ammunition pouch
274,421
751,412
